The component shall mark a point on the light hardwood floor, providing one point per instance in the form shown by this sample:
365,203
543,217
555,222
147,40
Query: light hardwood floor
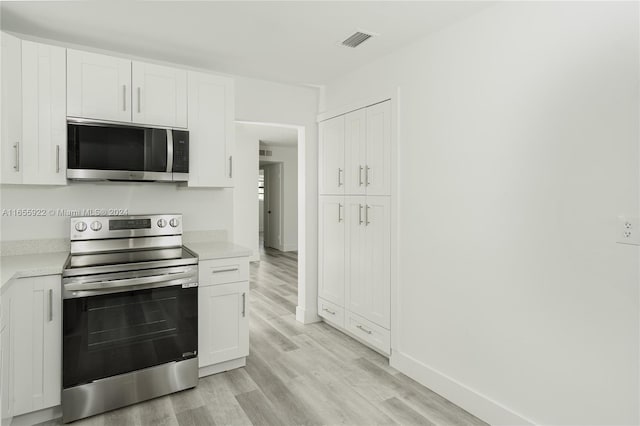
295,375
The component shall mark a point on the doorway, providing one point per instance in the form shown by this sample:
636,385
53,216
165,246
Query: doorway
273,205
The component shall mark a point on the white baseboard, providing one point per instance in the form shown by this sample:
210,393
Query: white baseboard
289,247
306,317
223,366
474,402
36,417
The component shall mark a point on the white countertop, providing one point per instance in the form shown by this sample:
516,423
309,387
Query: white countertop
31,265
208,250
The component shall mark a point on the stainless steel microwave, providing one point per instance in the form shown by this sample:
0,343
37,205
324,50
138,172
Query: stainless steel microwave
120,152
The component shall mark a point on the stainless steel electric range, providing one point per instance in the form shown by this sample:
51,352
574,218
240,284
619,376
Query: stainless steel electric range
130,313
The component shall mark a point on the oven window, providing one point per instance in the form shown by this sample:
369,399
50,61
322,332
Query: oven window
122,332
117,148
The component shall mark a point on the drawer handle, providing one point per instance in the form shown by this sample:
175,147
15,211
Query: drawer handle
327,310
364,329
217,271
244,304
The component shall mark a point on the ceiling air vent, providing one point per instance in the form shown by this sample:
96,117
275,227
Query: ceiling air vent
356,39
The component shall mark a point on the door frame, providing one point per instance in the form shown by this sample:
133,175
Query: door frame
268,187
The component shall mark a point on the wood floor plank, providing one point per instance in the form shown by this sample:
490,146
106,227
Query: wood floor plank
259,409
195,417
403,414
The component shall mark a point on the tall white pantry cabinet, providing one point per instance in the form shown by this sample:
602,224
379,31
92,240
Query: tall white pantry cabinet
354,253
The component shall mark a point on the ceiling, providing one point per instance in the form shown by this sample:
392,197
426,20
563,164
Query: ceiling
268,135
291,41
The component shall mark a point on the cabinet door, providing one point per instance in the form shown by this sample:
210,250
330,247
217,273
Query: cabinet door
6,363
331,248
378,172
331,174
223,327
98,86
159,95
377,257
211,130
356,293
355,145
37,350
11,94
44,118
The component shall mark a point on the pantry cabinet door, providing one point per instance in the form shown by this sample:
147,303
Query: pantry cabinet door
44,121
11,126
331,173
159,95
98,86
355,147
378,171
331,249
357,289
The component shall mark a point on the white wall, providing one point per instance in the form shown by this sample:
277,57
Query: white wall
245,196
288,156
518,148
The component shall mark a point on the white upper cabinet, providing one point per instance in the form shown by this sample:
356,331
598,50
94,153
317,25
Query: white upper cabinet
331,173
378,157
355,152
11,80
331,250
98,86
211,130
159,95
44,122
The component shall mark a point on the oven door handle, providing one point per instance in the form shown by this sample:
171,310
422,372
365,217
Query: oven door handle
107,285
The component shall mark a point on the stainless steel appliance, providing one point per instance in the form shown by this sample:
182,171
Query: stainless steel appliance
130,313
109,151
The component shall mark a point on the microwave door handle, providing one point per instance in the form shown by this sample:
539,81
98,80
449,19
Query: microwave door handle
169,150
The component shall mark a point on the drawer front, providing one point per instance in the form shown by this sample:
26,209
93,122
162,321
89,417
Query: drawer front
368,332
223,271
331,312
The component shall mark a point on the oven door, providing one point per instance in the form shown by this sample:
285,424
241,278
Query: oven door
127,328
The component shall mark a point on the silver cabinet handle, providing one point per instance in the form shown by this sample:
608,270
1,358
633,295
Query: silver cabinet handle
139,97
244,304
360,175
50,305
366,176
360,214
327,310
57,158
339,212
231,166
124,97
366,215
217,271
364,329
16,146
339,177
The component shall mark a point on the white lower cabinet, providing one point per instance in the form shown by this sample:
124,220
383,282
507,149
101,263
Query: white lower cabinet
223,317
34,342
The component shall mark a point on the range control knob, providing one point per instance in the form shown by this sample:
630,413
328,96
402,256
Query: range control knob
174,222
162,223
81,226
96,226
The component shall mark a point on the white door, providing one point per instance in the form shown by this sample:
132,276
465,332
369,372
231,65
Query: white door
211,130
159,95
98,86
37,334
11,94
378,171
356,294
273,205
44,118
332,216
331,174
355,145
377,257
223,326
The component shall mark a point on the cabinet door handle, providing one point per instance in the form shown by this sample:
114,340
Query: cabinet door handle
339,177
360,214
124,97
360,175
16,146
50,305
339,212
57,158
327,310
244,304
231,166
366,215
364,329
139,98
217,271
366,176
